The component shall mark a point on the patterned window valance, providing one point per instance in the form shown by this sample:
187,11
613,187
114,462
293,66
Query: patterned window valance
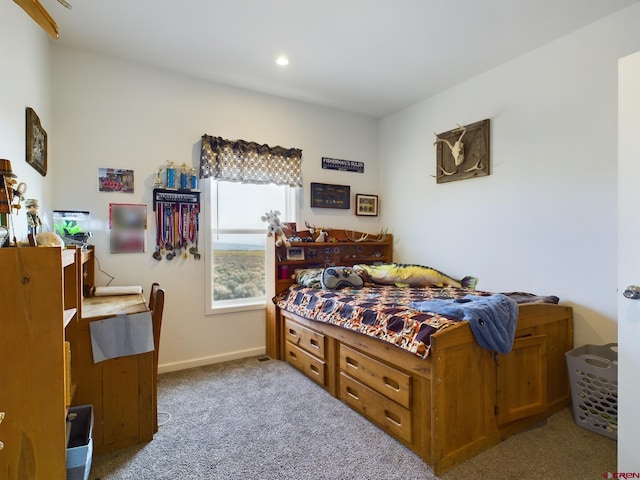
248,162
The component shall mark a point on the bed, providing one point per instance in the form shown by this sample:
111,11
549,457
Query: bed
420,376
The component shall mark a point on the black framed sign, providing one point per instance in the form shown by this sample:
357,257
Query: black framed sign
324,195
342,165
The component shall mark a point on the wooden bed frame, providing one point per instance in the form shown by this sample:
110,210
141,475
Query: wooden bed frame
449,407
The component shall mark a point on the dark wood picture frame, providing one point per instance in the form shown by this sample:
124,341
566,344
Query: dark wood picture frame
324,195
36,147
366,205
476,141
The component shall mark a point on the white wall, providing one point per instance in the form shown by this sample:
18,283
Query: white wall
544,221
115,114
25,53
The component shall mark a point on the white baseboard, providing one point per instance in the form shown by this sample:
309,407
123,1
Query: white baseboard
199,362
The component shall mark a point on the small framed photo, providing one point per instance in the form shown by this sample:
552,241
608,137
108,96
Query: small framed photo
295,253
367,205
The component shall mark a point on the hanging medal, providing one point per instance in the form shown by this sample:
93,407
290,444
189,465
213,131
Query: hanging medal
158,253
197,232
168,244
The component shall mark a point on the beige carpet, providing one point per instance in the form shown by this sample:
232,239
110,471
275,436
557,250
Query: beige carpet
263,420
558,450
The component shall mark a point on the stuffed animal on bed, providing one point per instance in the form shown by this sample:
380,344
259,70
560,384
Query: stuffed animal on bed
275,228
403,275
331,278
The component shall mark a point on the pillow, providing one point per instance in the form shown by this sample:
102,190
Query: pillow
334,278
308,277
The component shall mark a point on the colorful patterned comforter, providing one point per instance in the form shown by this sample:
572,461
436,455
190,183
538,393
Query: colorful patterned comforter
380,311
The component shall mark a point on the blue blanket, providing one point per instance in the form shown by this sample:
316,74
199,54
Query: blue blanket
492,319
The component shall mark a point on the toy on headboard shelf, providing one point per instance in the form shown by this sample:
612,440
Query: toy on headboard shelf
275,228
318,234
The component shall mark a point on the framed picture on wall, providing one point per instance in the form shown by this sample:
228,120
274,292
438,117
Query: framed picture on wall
324,195
367,205
127,224
36,143
115,180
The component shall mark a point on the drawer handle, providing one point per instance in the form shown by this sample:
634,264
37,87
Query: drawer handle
391,383
352,363
314,343
314,369
292,355
294,334
393,418
352,393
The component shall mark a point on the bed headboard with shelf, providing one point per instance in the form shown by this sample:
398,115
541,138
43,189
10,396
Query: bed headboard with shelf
342,249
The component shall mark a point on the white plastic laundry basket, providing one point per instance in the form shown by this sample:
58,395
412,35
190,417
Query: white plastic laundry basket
593,373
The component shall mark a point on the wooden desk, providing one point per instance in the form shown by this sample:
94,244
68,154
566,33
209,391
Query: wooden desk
120,389
94,308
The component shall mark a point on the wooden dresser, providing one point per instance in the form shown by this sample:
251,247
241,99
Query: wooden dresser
38,314
46,363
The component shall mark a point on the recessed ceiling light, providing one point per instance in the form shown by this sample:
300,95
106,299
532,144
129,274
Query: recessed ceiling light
282,61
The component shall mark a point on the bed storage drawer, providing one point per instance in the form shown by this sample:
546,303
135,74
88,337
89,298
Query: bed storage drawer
312,367
386,380
379,409
305,338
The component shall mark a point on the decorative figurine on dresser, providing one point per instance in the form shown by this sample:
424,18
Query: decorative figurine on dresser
33,219
11,195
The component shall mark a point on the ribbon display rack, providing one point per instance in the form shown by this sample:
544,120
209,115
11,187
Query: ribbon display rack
177,223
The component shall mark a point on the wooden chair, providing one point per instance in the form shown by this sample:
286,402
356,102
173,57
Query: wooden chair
152,294
156,306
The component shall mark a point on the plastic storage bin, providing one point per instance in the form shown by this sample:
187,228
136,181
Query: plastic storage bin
80,442
593,373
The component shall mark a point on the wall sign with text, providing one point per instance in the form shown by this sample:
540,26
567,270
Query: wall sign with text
342,165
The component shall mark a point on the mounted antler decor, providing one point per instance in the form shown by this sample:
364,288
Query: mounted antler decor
458,160
364,237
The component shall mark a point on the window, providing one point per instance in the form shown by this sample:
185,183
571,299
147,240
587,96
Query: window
237,238
248,180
